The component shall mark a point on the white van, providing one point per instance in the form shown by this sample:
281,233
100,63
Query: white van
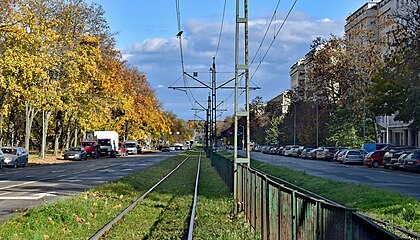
131,147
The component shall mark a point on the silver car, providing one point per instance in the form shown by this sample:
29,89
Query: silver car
1,159
353,156
15,156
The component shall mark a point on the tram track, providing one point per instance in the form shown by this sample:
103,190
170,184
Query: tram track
101,233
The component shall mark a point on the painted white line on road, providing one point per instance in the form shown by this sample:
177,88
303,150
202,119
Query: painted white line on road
127,169
17,185
35,196
69,180
58,171
106,170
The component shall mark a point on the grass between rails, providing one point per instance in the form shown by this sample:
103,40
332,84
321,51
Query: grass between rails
389,206
163,215
174,198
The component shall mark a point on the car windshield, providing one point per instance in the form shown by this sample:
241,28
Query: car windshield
130,145
88,144
9,150
105,142
75,149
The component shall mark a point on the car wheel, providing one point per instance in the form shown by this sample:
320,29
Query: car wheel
26,163
1,164
15,164
375,164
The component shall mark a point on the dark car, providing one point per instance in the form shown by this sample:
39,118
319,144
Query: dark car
375,158
75,153
328,153
15,156
394,153
165,149
305,151
398,164
1,159
412,162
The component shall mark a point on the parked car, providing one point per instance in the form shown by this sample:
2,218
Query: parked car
412,162
395,153
265,149
288,150
305,151
327,153
1,159
75,153
340,155
131,147
319,153
354,156
15,156
165,149
91,147
312,154
375,158
398,164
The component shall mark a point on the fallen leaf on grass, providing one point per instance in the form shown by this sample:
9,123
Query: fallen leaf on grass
78,219
117,206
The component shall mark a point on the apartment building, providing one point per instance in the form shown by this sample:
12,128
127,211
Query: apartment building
372,23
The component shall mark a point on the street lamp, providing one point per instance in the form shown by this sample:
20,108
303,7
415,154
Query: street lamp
243,136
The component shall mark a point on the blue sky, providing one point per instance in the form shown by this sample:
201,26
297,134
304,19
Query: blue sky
146,36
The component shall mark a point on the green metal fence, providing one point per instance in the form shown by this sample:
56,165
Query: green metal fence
280,211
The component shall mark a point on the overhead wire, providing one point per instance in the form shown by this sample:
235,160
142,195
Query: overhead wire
266,32
275,36
221,29
179,36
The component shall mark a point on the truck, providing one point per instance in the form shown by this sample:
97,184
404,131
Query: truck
108,143
371,147
131,146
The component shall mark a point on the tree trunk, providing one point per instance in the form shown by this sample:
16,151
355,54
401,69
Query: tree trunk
1,130
75,134
68,134
30,115
46,120
10,129
58,131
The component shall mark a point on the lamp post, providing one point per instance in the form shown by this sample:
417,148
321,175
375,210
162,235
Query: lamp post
243,136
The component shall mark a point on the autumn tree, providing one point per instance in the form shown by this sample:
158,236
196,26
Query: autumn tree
396,87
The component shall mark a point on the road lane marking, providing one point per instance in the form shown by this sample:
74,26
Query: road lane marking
35,196
17,185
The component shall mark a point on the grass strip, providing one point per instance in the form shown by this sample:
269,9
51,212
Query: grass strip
386,205
160,216
167,211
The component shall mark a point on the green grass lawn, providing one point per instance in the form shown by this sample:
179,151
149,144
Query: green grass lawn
162,215
385,205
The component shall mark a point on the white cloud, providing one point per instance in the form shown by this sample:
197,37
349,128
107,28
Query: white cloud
160,57
325,20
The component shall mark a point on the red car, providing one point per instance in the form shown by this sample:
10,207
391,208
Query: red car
375,158
91,148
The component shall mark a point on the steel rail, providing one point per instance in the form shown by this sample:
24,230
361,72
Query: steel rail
108,226
191,227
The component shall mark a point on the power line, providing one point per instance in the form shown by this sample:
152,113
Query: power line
275,36
265,34
221,29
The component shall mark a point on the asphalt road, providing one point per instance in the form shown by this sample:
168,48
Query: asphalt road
23,188
402,182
